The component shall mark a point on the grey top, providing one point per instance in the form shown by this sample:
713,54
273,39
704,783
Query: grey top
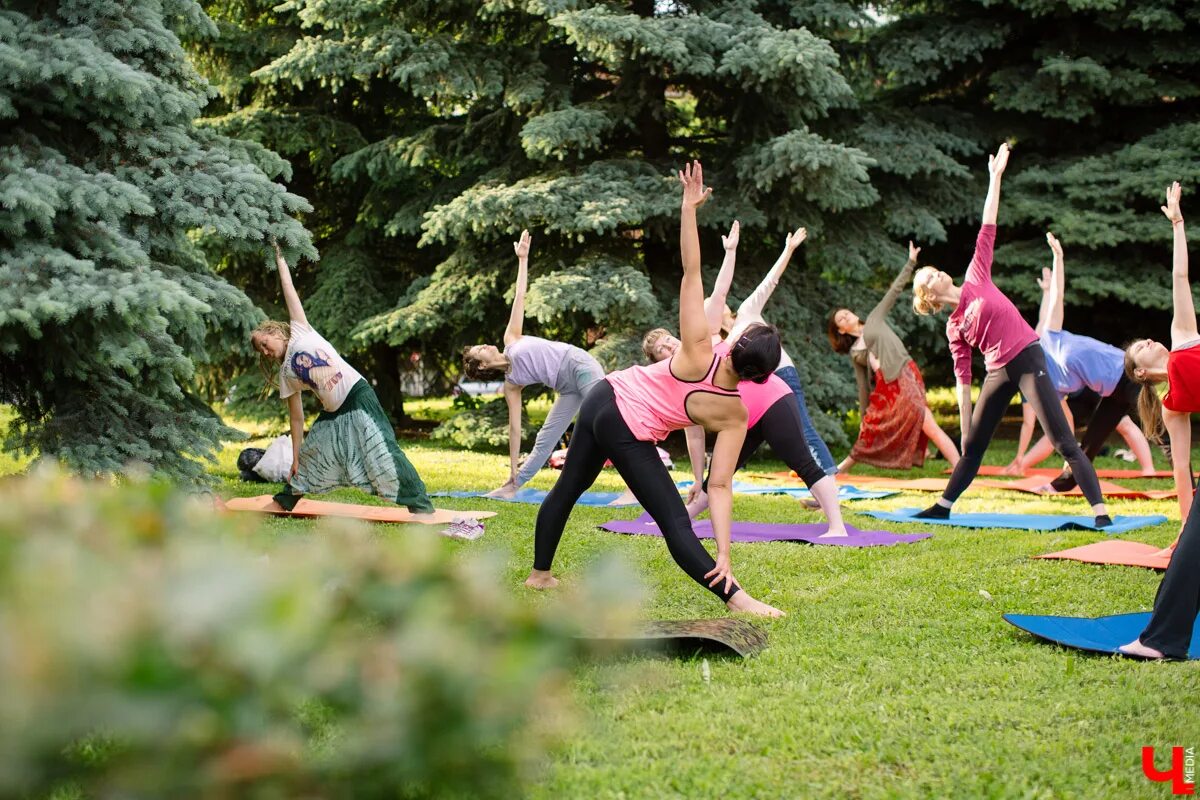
881,341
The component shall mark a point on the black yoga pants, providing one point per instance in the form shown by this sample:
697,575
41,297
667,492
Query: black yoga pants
1103,422
601,434
1178,598
1025,373
782,427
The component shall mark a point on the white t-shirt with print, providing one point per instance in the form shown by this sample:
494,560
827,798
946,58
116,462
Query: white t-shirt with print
312,363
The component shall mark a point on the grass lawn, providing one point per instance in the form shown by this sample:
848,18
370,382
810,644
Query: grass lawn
893,674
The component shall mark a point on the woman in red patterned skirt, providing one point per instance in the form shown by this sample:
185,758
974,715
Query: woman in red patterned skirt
896,421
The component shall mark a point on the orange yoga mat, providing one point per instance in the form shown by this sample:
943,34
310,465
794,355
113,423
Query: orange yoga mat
994,470
1028,485
264,504
1116,552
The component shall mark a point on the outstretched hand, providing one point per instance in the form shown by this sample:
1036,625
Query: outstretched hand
1055,244
522,247
695,194
999,161
723,571
730,242
1044,282
1171,209
913,251
796,239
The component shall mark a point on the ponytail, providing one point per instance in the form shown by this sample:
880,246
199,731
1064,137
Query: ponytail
923,303
1149,406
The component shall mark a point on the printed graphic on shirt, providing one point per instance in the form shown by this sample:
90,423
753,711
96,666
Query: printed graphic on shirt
971,314
316,370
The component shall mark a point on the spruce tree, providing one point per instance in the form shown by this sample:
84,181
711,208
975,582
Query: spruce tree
569,118
109,193
1102,101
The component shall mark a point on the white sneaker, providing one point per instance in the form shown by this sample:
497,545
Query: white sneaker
467,528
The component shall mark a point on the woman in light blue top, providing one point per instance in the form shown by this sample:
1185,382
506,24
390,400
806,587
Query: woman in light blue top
1077,362
529,360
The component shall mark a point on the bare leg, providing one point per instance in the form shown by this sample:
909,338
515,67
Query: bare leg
826,493
940,439
1137,444
847,463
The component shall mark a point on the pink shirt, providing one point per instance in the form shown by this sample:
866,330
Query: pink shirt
757,397
653,402
985,317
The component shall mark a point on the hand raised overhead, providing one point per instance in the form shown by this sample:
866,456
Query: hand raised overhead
1171,209
796,239
1055,244
999,161
730,242
695,194
913,251
1044,281
521,247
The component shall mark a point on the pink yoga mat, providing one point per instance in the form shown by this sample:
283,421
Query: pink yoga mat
773,532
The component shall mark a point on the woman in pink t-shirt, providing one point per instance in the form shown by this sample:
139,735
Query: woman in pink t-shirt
984,318
625,414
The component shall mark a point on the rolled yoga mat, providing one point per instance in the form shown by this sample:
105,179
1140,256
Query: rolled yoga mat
845,491
1024,522
1096,634
686,637
1117,553
772,532
265,504
536,496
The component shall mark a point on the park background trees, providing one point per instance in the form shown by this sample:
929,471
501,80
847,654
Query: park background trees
426,135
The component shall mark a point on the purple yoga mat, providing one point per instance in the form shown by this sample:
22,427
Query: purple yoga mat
773,532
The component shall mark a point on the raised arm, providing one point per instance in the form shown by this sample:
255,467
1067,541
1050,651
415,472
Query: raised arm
1053,294
695,343
516,318
884,306
754,304
295,309
714,304
1183,323
996,165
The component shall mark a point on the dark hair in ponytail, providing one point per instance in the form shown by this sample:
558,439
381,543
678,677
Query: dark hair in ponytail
756,353
1149,406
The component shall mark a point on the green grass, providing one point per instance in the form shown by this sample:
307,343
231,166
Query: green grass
893,674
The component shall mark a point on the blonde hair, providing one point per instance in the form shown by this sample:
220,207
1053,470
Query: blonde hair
1149,406
650,340
923,302
269,366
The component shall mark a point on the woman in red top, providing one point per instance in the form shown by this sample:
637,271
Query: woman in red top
1169,633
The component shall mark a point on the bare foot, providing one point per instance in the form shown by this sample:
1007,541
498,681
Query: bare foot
505,492
743,602
1139,650
626,499
835,532
541,579
1046,488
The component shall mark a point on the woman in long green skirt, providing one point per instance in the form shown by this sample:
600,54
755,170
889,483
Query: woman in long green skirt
352,442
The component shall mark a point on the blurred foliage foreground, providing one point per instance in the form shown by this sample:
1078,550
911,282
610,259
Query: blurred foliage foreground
152,647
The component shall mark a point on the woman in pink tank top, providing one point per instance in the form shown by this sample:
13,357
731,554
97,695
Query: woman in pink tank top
624,415
772,416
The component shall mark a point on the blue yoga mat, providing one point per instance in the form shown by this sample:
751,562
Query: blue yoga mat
845,491
536,496
1099,634
1025,522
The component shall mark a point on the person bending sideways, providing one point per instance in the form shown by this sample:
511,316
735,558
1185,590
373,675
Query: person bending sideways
984,318
623,417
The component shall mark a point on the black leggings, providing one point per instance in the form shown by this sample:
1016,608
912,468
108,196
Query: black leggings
782,428
1025,373
1104,421
1178,598
600,434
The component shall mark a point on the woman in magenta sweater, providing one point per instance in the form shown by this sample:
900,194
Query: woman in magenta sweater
984,318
